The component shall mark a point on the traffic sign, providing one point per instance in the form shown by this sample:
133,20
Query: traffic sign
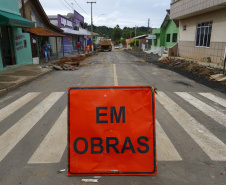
111,131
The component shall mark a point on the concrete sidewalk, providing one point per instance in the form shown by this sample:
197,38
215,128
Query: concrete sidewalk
15,77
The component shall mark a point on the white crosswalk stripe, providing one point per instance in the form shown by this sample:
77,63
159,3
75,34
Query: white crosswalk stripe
208,110
16,105
13,135
214,98
54,144
213,147
165,149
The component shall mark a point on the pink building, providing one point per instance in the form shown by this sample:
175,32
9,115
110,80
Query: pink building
128,41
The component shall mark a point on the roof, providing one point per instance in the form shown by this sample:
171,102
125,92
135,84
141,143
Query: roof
81,31
93,33
167,20
141,37
151,37
52,16
8,19
44,32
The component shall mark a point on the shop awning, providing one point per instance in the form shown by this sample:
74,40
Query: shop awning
81,31
44,32
8,19
151,37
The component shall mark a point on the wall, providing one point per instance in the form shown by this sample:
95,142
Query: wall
77,20
156,32
193,7
171,29
11,6
23,55
52,42
216,50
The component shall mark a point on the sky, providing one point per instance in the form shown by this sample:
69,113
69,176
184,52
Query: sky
129,13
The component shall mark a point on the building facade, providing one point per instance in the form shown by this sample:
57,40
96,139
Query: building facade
202,29
166,36
73,27
15,48
43,31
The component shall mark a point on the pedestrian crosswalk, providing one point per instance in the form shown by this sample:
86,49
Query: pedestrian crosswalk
53,146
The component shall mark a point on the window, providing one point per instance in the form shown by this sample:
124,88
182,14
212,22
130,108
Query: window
155,42
25,43
168,38
184,28
35,18
175,37
203,34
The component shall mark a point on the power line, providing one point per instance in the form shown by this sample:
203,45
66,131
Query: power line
81,8
68,4
98,17
64,4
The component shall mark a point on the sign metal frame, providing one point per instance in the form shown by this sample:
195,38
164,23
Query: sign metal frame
115,172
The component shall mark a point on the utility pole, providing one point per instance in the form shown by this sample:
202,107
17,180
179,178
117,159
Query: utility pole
148,24
92,20
135,35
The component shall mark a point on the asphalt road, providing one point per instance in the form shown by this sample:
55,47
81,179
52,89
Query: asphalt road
191,125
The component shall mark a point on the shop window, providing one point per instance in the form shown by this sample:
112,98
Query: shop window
25,43
175,37
203,34
168,38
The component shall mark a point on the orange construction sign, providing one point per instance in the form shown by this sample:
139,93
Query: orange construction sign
111,131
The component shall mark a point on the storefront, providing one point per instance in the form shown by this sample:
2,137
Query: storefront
38,38
14,45
73,27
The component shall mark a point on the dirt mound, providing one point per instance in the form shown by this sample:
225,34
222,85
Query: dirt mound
191,67
70,63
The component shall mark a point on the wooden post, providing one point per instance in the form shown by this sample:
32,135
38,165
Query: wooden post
37,47
63,45
224,66
56,47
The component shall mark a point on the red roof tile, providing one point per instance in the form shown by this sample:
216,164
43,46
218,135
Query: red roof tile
44,32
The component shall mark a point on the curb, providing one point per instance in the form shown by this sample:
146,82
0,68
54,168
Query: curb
3,91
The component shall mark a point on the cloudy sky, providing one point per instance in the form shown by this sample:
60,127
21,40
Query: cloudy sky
112,12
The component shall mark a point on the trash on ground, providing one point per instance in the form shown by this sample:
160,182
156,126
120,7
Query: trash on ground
89,180
60,171
57,67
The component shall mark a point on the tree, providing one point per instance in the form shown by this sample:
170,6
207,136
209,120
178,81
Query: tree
116,34
123,42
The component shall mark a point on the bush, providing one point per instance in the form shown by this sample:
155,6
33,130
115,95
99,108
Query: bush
132,43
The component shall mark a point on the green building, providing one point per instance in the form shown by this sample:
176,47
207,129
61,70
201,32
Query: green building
15,46
167,35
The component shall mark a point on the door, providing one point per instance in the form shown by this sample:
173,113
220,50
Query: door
8,55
